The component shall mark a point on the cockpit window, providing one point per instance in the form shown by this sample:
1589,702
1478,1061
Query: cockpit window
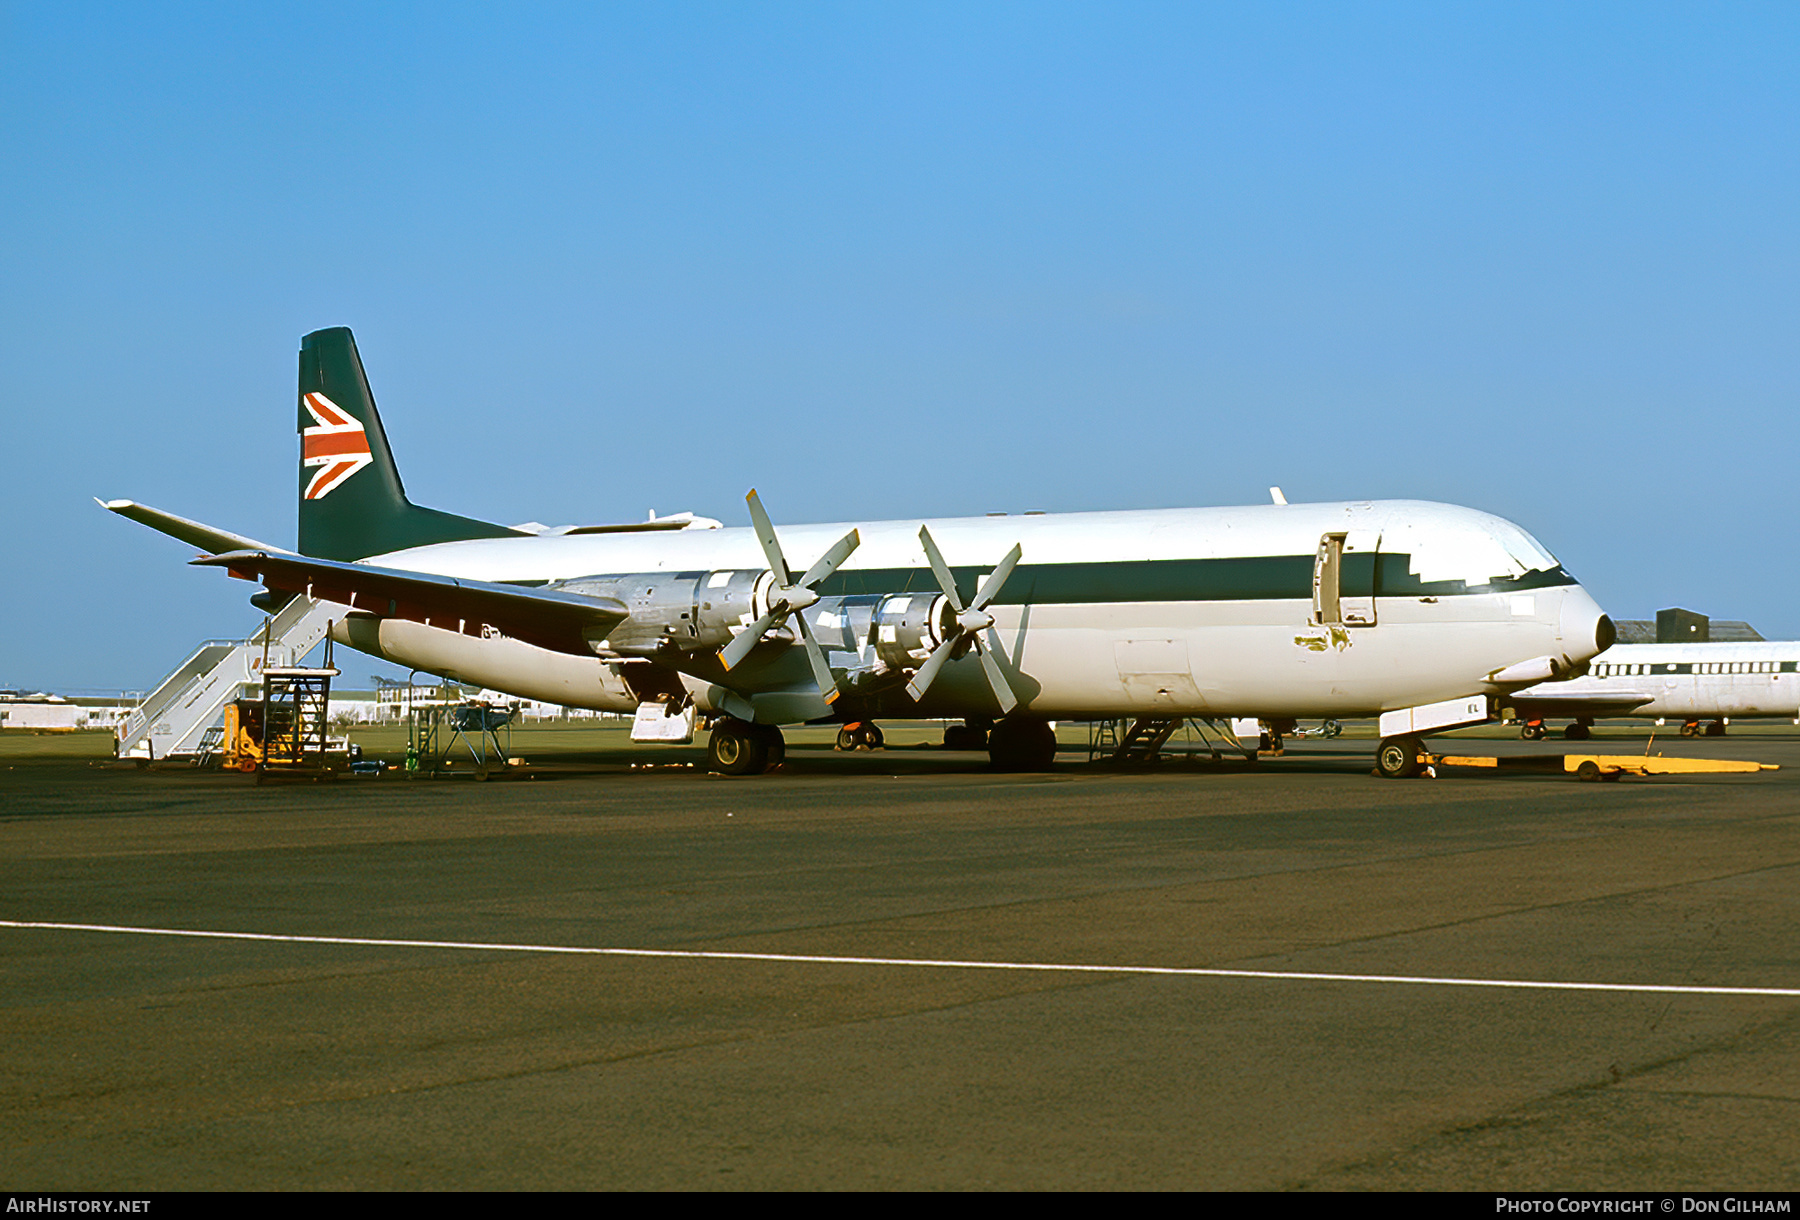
1462,556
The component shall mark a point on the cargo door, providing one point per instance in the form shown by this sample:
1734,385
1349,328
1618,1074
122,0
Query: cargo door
1156,674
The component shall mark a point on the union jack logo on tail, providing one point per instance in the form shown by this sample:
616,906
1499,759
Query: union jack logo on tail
338,446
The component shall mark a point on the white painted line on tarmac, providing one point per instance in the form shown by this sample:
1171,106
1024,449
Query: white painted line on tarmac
820,959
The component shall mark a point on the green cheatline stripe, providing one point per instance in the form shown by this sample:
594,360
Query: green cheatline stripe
1251,578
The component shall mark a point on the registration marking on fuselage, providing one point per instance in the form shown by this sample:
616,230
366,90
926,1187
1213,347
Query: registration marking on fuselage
822,959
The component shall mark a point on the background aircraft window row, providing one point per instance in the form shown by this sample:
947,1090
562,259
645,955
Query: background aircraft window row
1698,667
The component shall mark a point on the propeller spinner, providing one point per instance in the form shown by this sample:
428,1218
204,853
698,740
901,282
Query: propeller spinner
970,623
787,597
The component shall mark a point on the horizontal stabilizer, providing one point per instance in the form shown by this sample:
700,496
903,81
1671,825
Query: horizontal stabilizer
561,622
206,537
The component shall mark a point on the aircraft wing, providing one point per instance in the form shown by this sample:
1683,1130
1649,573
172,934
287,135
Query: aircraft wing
562,622
208,538
1622,703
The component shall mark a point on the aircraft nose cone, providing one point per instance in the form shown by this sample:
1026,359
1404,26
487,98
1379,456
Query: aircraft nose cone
1586,630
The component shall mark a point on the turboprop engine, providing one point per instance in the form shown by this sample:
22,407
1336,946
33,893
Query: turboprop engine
908,626
693,612
687,611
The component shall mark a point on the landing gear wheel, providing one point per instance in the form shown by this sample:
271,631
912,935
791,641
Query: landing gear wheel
1331,728
860,735
774,742
1399,758
737,748
1577,731
1716,729
1022,745
964,737
1534,731
1690,728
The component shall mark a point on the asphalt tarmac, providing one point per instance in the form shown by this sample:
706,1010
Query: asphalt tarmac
161,1062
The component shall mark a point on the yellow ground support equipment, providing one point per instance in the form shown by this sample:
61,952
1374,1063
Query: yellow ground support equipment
1601,766
241,747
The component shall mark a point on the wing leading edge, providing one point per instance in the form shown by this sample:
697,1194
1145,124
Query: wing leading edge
561,622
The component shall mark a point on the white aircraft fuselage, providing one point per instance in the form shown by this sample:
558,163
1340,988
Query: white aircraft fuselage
1179,612
1681,681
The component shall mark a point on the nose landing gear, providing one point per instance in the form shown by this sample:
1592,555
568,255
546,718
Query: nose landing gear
1400,758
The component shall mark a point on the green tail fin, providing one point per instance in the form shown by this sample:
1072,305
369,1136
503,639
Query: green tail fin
351,502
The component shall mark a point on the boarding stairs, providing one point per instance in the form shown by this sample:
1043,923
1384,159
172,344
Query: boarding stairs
1145,739
173,722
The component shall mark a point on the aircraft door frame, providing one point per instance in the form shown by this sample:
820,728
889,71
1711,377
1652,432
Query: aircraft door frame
1332,606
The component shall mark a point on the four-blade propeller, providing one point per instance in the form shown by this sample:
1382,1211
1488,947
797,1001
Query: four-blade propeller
971,621
787,597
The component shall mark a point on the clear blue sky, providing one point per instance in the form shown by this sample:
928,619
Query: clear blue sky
884,260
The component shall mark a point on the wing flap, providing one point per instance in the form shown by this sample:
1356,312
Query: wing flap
561,622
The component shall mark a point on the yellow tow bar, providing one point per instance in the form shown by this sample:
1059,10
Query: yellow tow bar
1602,766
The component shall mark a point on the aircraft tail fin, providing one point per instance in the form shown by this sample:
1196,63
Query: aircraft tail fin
352,504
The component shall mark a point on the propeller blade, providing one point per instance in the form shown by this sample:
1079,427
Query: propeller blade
765,534
996,578
945,580
748,638
821,669
788,597
829,561
928,672
996,677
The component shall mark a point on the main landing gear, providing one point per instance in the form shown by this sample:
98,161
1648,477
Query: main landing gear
1579,729
969,735
1693,728
737,747
1021,744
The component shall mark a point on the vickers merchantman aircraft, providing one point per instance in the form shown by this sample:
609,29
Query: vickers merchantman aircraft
1420,613
1687,682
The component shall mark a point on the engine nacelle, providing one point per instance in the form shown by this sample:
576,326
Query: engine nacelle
702,611
908,626
686,611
